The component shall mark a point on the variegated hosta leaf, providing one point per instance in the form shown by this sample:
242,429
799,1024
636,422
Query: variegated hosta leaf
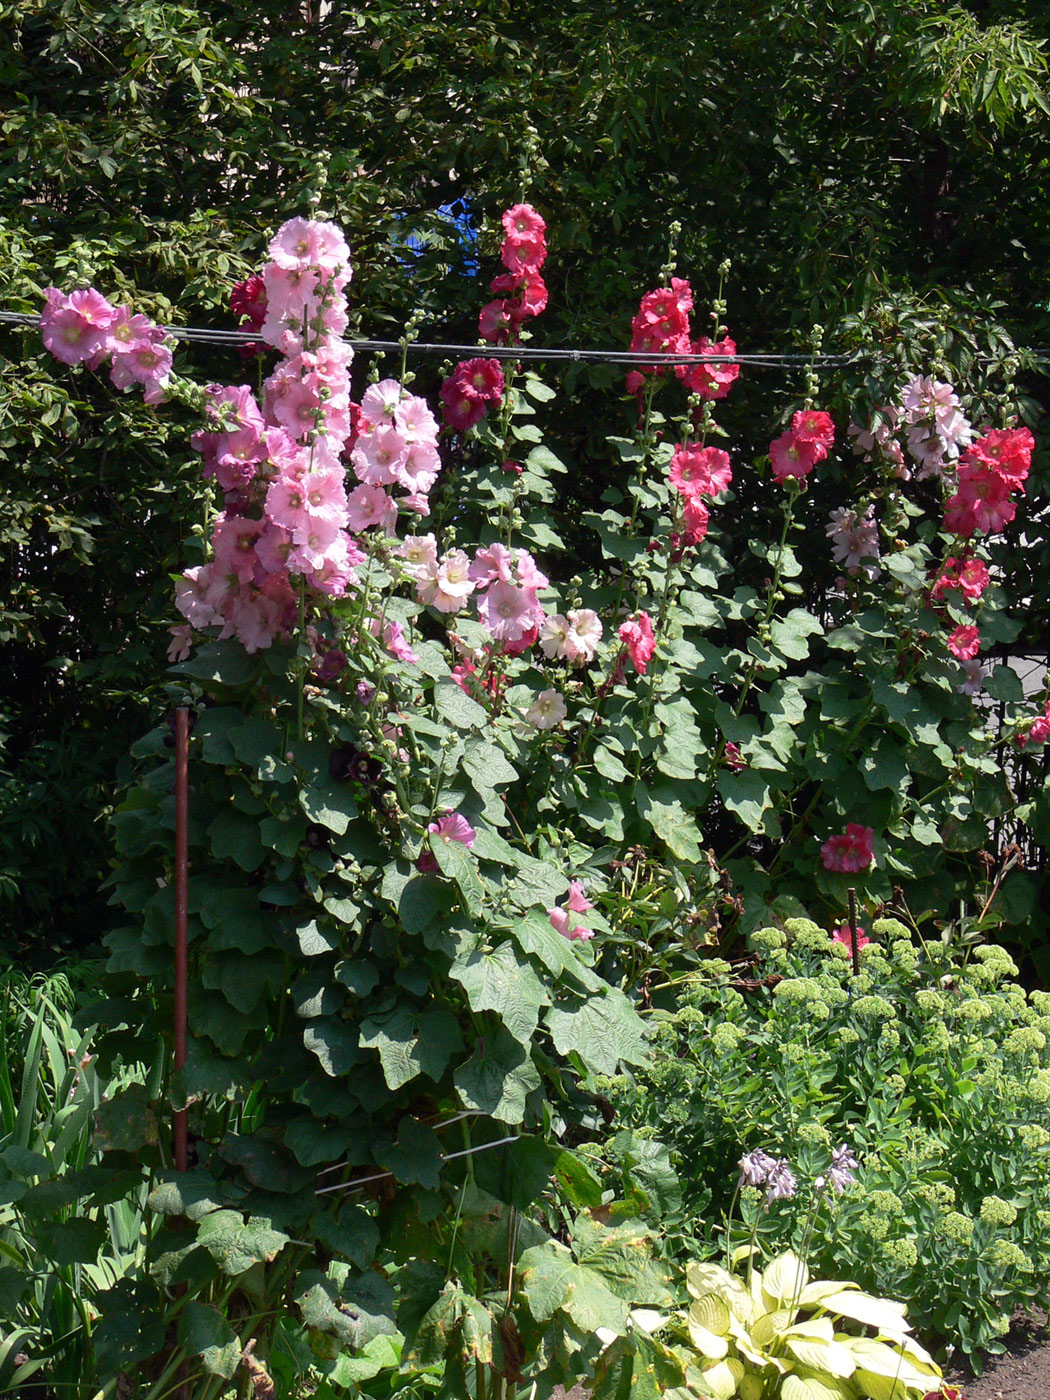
825,1356
723,1377
883,1360
712,1313
769,1325
708,1278
806,1387
882,1313
785,1278
912,1350
707,1343
814,1293
879,1387
819,1327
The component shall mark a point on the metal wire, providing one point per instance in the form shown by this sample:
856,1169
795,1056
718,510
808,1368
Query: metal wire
442,1157
208,336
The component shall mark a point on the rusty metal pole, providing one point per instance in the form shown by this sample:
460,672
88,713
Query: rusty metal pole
182,866
853,930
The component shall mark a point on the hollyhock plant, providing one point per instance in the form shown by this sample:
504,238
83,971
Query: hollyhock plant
700,471
714,379
850,852
793,458
813,425
964,642
842,935
453,827
968,574
637,636
546,711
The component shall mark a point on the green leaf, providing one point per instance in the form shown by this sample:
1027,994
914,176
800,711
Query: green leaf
669,821
747,794
330,805
623,1256
605,1031
235,835
236,1244
500,981
72,1242
791,635
497,1077
456,708
204,1332
551,1280
352,1233
416,1156
355,1313
127,1122
412,1043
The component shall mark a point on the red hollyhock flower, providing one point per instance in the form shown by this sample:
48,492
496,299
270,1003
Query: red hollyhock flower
851,852
813,425
710,381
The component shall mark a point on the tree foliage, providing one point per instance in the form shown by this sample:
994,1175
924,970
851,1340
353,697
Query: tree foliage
867,167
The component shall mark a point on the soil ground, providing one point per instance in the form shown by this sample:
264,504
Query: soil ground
1021,1373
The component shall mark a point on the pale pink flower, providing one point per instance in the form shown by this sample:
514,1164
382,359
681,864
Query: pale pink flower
585,632
419,553
380,403
492,563
554,636
973,682
303,243
529,574
369,506
449,587
181,643
546,711
577,900
561,922
855,539
507,610
378,457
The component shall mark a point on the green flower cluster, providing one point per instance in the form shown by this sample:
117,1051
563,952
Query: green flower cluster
932,1063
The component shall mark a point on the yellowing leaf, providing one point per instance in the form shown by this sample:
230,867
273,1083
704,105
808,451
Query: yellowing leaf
711,1312
873,1312
723,1378
707,1343
785,1278
769,1324
822,1355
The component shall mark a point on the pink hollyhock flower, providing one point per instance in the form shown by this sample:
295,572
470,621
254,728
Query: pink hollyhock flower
449,586
1007,451
380,403
577,900
695,518
233,541
560,922
248,301
481,378
181,643
419,553
814,425
507,610
74,328
794,458
367,507
965,642
302,243
532,293
379,457
585,632
498,320
522,224
968,574
973,682
546,711
850,852
453,827
338,569
842,935
985,495
493,563
711,380
529,574
523,258
855,539
735,760
414,420
700,471
637,636
392,635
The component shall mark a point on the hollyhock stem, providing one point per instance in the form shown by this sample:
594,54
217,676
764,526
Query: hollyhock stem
303,665
771,601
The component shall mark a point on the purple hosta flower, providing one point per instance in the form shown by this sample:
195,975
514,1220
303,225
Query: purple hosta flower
855,539
755,1168
781,1182
843,1165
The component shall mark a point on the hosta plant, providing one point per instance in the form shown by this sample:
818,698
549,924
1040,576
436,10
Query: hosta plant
778,1333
